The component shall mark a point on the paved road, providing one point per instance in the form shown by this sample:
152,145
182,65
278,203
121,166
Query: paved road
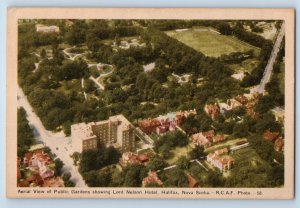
82,86
57,142
268,70
102,87
72,56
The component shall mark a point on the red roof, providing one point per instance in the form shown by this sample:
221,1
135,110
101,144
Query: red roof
193,183
270,136
152,178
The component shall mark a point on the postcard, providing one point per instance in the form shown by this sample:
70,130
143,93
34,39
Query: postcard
150,103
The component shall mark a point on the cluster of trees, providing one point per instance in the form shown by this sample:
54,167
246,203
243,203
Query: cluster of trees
83,31
256,74
97,166
169,56
130,176
236,57
67,180
97,159
164,144
197,123
24,132
175,177
276,95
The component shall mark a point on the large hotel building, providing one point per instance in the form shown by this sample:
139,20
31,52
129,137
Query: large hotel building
117,131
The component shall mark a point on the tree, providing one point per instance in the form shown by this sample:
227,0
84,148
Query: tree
58,167
240,130
197,152
25,136
176,178
43,54
66,178
264,104
215,179
133,175
165,151
190,124
183,163
89,86
97,159
76,33
156,163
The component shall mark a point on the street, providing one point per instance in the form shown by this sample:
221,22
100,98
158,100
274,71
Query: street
268,70
59,144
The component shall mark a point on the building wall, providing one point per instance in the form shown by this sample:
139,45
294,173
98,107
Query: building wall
90,144
102,131
128,140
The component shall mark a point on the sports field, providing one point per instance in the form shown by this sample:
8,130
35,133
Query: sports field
211,43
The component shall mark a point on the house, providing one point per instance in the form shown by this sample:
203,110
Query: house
149,126
250,105
279,114
34,180
279,145
221,160
47,29
239,76
206,138
212,110
152,178
270,136
23,183
224,107
201,140
162,129
242,99
164,123
209,134
131,158
39,161
54,182
193,183
218,138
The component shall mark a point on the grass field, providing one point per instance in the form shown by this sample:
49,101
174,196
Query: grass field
226,143
177,153
211,44
246,66
246,157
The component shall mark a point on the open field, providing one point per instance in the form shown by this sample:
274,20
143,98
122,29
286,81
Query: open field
246,157
177,153
210,43
226,143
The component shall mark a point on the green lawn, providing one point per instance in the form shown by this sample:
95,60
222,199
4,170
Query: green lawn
226,143
246,157
246,66
211,44
177,153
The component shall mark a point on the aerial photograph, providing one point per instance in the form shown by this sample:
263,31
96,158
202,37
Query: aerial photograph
150,103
